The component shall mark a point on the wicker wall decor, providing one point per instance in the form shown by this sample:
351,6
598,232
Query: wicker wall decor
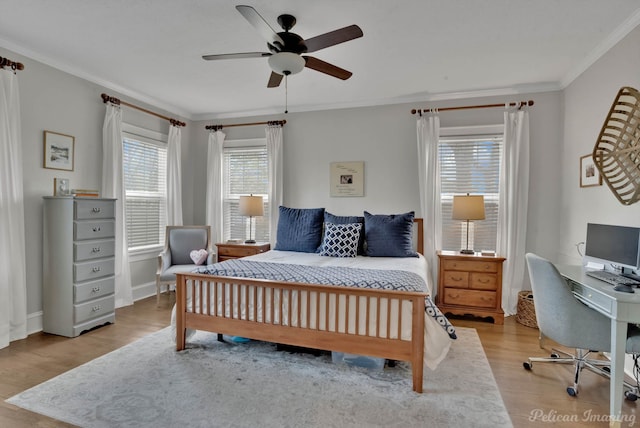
617,151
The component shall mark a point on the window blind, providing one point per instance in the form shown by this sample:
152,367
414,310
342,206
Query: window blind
144,166
470,164
245,173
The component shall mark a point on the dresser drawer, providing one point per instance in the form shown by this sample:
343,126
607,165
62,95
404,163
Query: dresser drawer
93,309
474,266
483,281
456,279
93,250
483,299
93,289
86,209
93,269
83,230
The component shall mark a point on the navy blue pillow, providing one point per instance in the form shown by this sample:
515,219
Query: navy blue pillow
299,229
338,219
389,235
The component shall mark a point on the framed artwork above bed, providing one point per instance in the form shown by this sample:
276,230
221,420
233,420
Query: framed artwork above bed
347,179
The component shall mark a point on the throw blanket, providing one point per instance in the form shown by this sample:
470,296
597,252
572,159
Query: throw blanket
330,275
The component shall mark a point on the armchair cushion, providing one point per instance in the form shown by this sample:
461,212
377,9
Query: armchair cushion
183,241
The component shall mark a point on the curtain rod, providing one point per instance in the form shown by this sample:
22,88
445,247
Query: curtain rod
231,125
6,62
108,99
520,104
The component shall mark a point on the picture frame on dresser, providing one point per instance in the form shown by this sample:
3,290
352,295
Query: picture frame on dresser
58,151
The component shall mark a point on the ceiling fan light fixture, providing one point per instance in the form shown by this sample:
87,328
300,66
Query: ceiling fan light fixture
286,63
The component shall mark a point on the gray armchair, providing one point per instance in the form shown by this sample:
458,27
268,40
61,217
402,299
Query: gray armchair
180,241
564,319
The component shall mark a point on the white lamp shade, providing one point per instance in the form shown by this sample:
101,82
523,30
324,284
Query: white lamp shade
251,206
286,63
468,207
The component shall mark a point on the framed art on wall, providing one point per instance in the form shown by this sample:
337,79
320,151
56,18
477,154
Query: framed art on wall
58,151
347,179
589,174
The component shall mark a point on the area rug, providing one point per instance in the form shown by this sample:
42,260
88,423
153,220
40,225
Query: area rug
213,384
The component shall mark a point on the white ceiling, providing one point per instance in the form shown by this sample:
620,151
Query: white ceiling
412,50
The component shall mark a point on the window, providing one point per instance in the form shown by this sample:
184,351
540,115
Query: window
470,164
245,173
145,177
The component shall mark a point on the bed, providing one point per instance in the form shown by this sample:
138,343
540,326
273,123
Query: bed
304,298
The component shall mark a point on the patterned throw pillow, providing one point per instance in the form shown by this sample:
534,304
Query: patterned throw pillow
341,240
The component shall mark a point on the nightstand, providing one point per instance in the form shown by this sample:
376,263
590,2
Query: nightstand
227,251
470,284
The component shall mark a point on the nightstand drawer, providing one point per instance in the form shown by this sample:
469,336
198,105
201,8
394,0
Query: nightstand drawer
483,281
456,279
483,299
474,266
237,251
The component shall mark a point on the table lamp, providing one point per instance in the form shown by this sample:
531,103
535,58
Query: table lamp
468,207
251,206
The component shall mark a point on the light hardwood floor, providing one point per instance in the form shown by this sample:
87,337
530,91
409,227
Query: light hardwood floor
539,393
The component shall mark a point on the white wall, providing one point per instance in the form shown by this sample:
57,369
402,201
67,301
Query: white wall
587,103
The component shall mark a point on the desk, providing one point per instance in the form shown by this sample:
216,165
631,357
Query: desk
621,308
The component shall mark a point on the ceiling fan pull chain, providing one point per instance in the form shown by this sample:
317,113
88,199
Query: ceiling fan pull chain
286,95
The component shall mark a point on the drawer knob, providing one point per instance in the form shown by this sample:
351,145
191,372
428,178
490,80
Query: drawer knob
483,280
96,229
95,210
95,289
96,269
95,250
456,278
96,308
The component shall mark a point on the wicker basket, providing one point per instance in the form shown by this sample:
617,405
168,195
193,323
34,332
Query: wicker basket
526,310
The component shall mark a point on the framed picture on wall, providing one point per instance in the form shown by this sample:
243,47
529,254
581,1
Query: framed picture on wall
347,179
58,151
589,174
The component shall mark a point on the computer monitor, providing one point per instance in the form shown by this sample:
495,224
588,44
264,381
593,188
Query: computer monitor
614,246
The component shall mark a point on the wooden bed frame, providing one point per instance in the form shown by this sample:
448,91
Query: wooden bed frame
289,298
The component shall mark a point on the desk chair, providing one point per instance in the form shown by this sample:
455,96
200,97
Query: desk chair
176,255
565,320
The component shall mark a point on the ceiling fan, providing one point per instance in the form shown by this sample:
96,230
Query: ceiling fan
286,48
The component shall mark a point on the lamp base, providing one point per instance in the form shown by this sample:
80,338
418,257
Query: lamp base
250,241
467,252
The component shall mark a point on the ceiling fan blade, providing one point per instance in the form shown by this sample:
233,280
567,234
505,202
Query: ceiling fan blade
236,55
258,22
333,38
326,68
274,80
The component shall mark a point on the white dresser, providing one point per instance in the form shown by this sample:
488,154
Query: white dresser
78,264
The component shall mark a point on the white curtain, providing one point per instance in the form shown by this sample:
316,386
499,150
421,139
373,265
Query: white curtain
113,187
428,130
215,211
13,283
512,215
174,178
274,156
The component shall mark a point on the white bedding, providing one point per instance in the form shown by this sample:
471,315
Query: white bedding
437,341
